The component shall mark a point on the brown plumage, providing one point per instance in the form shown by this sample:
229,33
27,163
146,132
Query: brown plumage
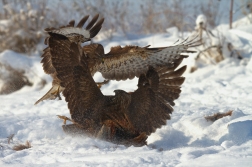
74,34
120,63
127,62
123,118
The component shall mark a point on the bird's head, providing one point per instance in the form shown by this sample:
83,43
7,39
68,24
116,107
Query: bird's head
142,81
94,51
78,38
99,52
84,39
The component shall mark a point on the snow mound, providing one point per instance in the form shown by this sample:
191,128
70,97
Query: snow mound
240,129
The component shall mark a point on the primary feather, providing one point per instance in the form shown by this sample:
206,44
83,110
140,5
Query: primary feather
125,118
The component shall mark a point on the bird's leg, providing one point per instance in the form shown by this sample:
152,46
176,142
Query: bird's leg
100,84
65,119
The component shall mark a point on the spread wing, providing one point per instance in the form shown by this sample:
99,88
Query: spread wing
81,92
74,34
78,34
90,31
130,61
151,103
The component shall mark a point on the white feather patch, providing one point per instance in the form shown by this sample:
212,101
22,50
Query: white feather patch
66,31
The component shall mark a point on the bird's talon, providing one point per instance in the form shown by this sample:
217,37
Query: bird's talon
64,119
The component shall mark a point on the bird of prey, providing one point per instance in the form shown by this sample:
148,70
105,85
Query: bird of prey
120,63
74,34
125,118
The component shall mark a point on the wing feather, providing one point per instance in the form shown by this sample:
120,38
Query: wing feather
66,31
92,22
173,82
82,22
71,23
47,61
151,103
80,89
122,63
174,74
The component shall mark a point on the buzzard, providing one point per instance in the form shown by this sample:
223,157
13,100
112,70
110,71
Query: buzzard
125,118
120,63
74,34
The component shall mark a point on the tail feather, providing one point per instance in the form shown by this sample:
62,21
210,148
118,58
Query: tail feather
53,93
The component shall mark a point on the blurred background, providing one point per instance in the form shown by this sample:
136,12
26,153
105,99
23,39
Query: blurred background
22,21
22,24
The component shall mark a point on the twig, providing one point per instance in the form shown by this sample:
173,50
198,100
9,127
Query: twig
233,51
202,52
231,14
218,116
10,138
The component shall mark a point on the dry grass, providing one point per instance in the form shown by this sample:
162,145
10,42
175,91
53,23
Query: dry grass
23,29
20,147
10,138
12,79
218,116
152,16
211,12
247,9
22,22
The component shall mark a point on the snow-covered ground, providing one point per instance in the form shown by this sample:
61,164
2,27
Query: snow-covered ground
187,139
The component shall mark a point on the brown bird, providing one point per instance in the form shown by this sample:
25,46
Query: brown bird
123,118
120,63
74,34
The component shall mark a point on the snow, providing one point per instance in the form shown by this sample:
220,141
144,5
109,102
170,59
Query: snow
187,139
201,19
4,24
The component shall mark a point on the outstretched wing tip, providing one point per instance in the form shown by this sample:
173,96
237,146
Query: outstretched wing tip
69,30
155,104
